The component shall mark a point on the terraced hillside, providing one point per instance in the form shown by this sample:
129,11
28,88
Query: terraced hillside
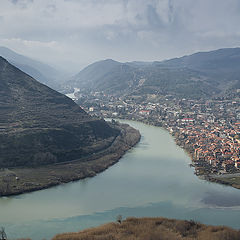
40,126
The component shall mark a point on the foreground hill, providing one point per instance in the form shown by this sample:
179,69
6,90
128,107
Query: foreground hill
38,70
40,126
153,229
195,76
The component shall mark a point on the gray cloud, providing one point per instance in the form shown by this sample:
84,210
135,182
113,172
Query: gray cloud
82,31
21,3
153,17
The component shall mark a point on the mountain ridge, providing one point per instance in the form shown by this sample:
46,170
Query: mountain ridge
202,74
41,126
38,70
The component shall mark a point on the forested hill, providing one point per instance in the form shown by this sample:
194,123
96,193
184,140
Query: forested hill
199,75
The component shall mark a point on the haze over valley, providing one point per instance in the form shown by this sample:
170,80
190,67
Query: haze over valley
124,113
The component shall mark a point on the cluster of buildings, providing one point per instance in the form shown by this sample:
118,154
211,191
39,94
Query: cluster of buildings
208,129
214,148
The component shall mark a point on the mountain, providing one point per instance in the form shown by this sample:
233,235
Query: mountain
107,75
227,59
117,78
223,64
199,75
40,71
41,126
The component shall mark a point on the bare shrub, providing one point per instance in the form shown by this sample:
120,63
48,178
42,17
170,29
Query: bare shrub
153,229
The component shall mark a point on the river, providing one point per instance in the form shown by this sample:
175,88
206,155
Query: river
152,179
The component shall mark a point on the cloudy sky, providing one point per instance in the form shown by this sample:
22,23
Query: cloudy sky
74,33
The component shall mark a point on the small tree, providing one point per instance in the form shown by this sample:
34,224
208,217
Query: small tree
119,218
3,235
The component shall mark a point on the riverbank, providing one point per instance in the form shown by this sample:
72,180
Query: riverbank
229,179
153,228
232,180
153,179
16,181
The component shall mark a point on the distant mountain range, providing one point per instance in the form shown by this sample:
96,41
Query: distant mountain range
202,74
38,70
40,126
223,64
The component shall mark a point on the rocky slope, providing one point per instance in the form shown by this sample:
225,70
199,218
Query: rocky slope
40,126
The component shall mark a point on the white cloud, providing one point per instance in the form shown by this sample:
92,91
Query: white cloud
83,31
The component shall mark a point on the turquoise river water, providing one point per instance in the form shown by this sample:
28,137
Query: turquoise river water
152,179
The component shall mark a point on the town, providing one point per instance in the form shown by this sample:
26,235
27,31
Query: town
209,130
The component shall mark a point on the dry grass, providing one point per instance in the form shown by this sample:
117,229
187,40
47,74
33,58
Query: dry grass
153,229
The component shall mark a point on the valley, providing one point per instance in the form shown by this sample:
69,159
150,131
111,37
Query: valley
196,98
48,140
119,114
152,179
208,129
